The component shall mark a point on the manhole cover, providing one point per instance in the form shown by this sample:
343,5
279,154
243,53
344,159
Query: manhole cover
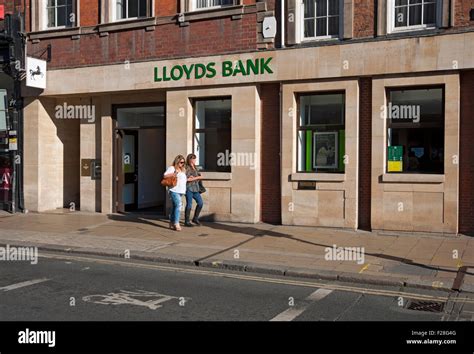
427,306
203,235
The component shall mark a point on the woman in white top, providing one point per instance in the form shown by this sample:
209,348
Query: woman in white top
177,191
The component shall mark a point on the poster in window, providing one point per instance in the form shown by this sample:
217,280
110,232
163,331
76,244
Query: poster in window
325,154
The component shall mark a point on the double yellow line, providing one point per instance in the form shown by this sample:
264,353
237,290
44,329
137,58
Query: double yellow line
289,282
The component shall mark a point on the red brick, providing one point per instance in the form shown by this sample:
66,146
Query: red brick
270,154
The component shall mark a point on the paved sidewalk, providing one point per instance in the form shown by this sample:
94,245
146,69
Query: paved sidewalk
412,260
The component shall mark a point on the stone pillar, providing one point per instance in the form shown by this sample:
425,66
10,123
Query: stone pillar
107,155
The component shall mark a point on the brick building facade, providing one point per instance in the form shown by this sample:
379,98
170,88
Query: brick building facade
305,95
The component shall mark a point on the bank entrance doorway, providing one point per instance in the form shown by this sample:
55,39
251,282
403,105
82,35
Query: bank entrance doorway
139,158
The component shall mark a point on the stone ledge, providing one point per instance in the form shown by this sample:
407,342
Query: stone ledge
318,177
62,32
217,176
130,24
235,12
412,178
228,11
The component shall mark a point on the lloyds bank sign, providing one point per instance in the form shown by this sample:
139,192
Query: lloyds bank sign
210,70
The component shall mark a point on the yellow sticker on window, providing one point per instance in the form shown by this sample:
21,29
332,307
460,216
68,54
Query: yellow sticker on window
395,166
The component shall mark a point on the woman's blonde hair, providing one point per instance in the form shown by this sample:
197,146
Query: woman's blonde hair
176,161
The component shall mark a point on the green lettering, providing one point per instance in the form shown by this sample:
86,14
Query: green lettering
253,65
188,71
157,78
165,78
180,70
226,68
197,74
239,69
264,65
212,71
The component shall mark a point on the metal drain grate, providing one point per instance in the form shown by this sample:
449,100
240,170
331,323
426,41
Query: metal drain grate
427,306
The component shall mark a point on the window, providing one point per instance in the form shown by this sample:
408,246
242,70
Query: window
60,13
212,134
321,18
125,9
413,14
209,4
321,132
415,130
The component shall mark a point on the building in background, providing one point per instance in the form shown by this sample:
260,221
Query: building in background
11,64
355,114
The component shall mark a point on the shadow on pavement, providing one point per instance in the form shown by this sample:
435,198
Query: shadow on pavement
256,232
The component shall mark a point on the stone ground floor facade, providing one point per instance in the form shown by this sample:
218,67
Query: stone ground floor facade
370,135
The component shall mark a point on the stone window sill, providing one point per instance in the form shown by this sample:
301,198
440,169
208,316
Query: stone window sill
217,176
411,178
127,24
55,32
149,23
318,177
234,11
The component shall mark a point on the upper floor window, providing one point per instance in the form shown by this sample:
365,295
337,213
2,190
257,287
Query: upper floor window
321,18
128,9
209,4
60,13
413,14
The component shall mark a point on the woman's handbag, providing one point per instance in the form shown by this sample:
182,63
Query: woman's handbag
202,189
170,181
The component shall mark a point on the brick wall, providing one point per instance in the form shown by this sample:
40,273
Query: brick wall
364,17
166,8
466,155
89,15
270,155
365,152
200,38
462,9
12,5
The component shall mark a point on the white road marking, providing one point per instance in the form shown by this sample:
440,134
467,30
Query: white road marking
23,284
148,299
293,312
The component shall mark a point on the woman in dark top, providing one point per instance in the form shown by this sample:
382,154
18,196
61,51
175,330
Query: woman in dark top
192,191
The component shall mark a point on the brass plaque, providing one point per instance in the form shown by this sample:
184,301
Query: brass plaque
86,167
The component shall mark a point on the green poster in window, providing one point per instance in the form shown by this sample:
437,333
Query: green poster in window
395,158
309,148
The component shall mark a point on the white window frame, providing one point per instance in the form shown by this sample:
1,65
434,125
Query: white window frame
300,29
113,13
192,5
45,19
391,18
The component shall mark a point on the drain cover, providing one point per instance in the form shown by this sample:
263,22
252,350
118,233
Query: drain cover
427,306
